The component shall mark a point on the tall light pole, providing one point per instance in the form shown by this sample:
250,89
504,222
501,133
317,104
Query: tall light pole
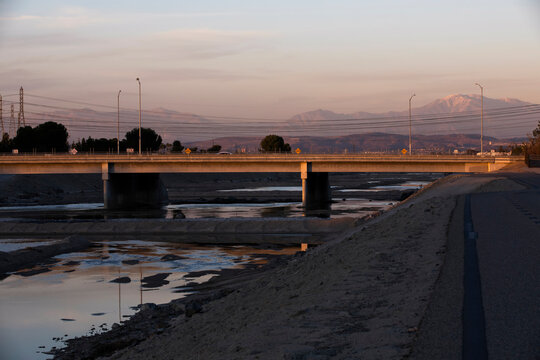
410,125
118,125
139,81
481,118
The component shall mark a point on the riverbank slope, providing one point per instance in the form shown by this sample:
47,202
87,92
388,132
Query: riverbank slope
362,295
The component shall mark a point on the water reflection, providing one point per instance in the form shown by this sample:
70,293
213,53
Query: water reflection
95,212
78,296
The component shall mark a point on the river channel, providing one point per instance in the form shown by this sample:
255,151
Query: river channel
87,292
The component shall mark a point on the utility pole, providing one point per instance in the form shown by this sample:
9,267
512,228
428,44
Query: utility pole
1,118
118,125
481,119
21,107
139,81
410,125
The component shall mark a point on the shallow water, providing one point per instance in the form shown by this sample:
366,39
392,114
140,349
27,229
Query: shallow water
95,212
77,297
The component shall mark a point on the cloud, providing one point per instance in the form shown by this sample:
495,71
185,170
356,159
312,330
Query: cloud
207,43
192,74
76,17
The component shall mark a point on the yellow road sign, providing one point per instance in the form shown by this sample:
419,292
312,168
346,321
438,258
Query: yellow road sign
188,151
298,151
404,151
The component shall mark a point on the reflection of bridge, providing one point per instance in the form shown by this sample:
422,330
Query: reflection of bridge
133,179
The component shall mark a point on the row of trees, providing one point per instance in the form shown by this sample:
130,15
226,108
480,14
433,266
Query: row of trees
49,136
151,141
53,137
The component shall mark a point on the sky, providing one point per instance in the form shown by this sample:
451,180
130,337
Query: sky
270,58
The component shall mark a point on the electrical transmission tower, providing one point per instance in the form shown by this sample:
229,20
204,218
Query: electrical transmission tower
12,129
1,118
21,108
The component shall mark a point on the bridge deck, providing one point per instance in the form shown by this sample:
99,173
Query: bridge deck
157,163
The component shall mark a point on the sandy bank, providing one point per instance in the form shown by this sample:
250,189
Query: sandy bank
26,258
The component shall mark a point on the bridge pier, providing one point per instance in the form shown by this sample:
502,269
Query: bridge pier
132,191
316,192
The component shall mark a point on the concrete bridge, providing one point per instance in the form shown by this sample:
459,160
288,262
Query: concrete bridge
133,180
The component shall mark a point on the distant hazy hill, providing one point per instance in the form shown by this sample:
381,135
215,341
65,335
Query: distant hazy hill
454,114
86,122
438,116
375,142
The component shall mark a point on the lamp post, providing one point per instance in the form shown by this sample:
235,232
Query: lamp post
481,118
118,125
410,125
139,81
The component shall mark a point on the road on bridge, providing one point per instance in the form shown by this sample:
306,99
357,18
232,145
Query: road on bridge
496,315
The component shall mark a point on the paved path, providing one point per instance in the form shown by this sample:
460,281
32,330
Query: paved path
507,227
508,245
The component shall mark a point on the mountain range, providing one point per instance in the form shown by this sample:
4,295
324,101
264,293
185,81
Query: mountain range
454,114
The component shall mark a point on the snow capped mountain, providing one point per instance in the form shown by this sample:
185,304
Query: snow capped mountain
462,103
460,110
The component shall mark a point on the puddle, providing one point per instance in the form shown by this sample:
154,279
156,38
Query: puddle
77,296
270,188
266,188
402,186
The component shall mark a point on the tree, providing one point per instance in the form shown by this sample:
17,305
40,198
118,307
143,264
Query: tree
177,146
536,132
214,149
149,138
25,140
51,136
99,145
533,147
274,143
6,143
44,137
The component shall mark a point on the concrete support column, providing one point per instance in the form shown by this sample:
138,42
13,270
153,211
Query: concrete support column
132,191
316,193
106,186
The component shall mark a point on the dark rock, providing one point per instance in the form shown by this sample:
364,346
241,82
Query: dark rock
72,263
179,215
149,306
33,272
156,280
193,307
121,280
63,319
130,262
194,274
171,257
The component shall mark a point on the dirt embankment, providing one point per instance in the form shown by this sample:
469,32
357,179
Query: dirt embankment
361,295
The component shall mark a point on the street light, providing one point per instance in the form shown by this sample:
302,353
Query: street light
410,125
481,118
118,125
139,81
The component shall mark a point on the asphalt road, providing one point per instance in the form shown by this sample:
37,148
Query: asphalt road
507,258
